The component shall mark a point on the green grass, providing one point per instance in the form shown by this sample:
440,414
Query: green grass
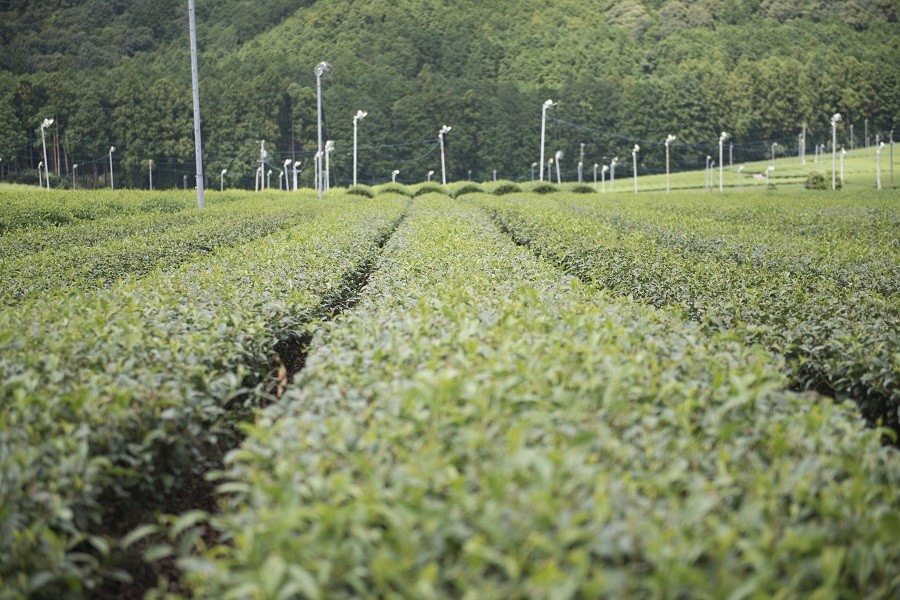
859,173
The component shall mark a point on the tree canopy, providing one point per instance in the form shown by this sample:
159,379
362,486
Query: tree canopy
117,72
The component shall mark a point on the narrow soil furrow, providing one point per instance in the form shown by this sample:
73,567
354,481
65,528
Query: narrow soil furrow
289,355
288,359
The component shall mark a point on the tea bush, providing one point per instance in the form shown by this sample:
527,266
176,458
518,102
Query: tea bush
811,280
361,190
429,188
501,188
36,262
115,401
480,425
464,187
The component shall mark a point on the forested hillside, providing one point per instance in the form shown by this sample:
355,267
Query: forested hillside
117,73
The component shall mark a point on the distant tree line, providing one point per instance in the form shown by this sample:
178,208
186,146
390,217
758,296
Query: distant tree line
116,73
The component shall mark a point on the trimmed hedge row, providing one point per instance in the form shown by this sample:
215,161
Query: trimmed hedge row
31,240
851,242
26,207
480,425
96,254
839,333
119,399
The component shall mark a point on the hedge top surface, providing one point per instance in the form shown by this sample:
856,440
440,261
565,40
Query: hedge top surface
480,425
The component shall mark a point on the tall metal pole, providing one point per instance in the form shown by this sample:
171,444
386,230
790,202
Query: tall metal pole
581,165
356,118
355,121
112,184
47,123
669,139
56,154
319,178
892,158
667,167
323,68
558,156
547,104
329,147
706,182
46,160
262,164
151,174
443,162
318,160
803,144
195,81
843,154
634,153
722,139
834,121
444,130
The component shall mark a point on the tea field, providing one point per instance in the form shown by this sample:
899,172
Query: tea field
462,391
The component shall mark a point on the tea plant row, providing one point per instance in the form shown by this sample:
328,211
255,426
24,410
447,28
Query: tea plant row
117,400
815,285
27,207
482,425
97,253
